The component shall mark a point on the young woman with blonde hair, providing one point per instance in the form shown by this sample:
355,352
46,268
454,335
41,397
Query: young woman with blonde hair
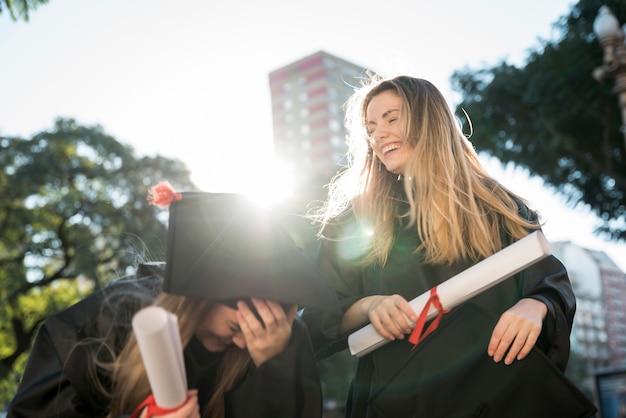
413,208
234,280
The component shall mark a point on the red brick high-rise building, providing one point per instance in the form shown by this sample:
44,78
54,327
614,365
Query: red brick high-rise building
308,117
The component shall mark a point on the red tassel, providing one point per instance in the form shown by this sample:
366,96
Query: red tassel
418,334
163,194
153,408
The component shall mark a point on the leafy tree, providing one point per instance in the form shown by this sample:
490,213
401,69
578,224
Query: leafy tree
73,216
20,9
554,119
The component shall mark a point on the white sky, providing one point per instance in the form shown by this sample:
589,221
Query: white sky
189,79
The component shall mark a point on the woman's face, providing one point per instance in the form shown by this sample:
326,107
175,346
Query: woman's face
384,127
220,328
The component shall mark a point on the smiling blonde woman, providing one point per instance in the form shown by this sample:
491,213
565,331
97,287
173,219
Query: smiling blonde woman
414,208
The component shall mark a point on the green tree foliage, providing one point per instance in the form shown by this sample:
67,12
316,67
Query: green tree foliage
553,118
74,215
20,9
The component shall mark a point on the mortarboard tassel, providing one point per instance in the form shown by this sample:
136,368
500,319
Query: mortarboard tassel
152,408
417,336
163,194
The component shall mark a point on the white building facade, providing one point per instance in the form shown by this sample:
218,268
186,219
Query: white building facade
599,332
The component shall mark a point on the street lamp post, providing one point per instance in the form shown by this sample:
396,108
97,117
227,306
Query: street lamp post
606,27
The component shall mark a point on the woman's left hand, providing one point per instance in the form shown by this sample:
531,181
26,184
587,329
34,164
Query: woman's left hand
270,337
517,331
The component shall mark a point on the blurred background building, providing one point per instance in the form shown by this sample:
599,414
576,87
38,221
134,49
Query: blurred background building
308,118
599,333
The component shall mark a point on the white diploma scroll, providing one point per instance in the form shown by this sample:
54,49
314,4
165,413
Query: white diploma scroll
465,285
158,338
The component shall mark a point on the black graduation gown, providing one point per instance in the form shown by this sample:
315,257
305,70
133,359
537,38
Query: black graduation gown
449,374
56,383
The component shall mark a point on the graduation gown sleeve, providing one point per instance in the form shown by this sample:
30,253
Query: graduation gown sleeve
45,389
286,386
337,258
57,381
548,282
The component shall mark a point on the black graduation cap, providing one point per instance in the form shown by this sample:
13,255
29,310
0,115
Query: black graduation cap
224,247
450,375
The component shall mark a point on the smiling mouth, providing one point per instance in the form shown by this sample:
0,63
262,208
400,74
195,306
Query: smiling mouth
388,148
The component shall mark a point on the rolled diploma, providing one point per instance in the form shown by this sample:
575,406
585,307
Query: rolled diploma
465,285
159,342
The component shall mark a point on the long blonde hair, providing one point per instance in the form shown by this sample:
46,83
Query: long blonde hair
459,211
130,384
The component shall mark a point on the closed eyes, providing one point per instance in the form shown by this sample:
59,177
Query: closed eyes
372,126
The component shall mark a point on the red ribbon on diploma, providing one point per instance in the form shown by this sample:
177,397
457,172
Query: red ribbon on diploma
153,408
417,336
